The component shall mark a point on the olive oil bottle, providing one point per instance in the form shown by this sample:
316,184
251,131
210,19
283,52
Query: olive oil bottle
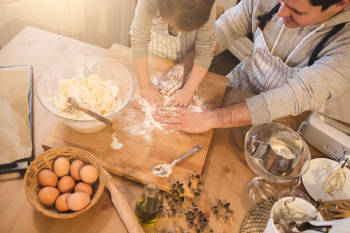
148,207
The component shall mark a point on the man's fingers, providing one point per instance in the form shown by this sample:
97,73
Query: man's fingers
178,127
172,127
170,109
166,113
168,120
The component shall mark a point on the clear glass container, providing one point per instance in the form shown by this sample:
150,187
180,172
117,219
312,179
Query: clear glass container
277,154
148,206
81,67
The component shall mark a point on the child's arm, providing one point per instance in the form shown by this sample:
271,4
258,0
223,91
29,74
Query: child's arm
140,35
204,48
183,96
148,90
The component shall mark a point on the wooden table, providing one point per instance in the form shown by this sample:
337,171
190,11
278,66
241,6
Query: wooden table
225,172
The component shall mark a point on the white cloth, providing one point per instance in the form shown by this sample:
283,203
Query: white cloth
263,71
169,43
15,134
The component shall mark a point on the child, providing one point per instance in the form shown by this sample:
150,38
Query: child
171,29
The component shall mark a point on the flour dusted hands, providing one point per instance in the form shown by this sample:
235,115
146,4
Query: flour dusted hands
181,98
151,93
185,120
189,121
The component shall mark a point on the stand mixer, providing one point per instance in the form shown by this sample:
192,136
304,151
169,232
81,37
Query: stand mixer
277,154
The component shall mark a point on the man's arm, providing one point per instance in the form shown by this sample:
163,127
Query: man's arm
199,122
308,89
233,24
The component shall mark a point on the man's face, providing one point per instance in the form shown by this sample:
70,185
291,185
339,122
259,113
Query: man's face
296,13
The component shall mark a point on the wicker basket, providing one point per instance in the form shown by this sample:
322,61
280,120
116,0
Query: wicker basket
45,160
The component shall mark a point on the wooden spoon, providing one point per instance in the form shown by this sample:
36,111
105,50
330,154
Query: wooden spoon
122,206
95,115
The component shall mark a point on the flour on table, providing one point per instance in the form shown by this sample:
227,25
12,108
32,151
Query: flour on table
135,130
168,84
149,122
115,145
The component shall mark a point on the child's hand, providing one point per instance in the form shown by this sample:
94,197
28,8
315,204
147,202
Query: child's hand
151,94
181,98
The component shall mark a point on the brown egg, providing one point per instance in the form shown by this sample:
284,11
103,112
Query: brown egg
77,201
61,166
46,177
61,202
48,195
83,187
66,184
75,169
88,174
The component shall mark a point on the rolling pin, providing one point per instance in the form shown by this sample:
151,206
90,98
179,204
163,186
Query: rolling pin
122,206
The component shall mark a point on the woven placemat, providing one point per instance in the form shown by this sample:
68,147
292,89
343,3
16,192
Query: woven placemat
256,219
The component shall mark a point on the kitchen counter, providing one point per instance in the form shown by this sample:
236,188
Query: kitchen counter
225,172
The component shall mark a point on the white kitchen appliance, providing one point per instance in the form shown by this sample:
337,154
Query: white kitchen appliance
329,131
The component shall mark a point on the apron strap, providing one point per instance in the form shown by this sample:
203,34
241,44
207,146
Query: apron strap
264,19
320,45
268,16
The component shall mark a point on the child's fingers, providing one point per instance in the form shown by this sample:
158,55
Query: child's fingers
158,99
171,103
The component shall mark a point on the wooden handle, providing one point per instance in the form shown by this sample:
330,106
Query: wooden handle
93,114
122,206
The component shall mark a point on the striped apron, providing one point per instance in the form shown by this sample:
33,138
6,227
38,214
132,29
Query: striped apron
169,43
261,71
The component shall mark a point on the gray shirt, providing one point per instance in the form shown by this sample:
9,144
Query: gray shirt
309,87
141,27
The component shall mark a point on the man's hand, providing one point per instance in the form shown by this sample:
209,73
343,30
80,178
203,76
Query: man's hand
199,122
181,98
185,120
151,93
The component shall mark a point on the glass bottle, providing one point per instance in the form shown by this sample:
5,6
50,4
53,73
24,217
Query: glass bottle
148,207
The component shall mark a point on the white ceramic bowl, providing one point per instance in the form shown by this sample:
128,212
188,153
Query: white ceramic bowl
298,206
80,67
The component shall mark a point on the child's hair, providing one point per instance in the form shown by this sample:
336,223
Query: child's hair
185,15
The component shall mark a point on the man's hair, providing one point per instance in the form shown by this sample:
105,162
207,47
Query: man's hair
185,15
324,3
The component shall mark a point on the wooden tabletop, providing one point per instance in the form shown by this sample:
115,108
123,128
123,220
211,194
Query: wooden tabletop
225,172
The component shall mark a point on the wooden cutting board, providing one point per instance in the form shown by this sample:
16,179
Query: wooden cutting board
141,152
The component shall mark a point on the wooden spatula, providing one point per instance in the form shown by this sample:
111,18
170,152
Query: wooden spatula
95,115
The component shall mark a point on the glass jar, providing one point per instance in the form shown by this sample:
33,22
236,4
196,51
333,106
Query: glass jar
148,206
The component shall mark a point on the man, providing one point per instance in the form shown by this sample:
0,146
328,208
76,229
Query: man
300,59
